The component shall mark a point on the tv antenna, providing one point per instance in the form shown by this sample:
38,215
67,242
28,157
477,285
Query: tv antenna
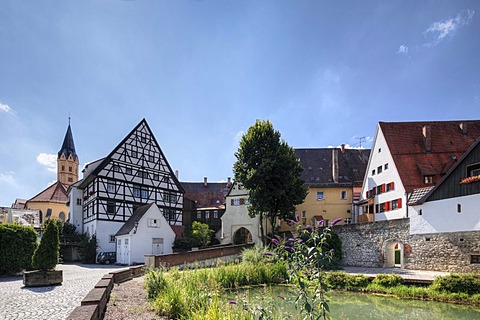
360,140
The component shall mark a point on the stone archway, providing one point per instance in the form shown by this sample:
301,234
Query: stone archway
393,252
242,236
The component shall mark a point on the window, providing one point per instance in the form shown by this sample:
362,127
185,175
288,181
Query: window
153,223
379,189
63,168
144,193
379,150
475,258
171,215
136,192
110,187
207,214
79,202
420,212
69,169
395,204
165,179
128,170
373,172
428,179
473,170
151,158
348,220
215,214
156,177
304,214
126,242
110,207
235,202
320,195
112,238
343,195
382,207
116,168
385,166
459,208
169,197
134,154
390,186
199,215
70,179
379,170
142,174
119,242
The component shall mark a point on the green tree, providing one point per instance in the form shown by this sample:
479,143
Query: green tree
46,255
201,234
17,245
267,166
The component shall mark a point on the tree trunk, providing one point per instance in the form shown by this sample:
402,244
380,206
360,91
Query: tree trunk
262,232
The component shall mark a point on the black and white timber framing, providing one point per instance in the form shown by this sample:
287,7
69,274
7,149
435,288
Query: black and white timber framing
136,172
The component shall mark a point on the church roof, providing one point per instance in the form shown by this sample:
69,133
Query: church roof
68,147
57,192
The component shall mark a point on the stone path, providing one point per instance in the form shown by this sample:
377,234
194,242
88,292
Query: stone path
406,274
54,302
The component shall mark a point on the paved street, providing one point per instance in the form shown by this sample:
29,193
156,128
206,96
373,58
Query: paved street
54,302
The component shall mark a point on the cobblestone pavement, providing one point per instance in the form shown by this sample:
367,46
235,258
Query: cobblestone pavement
53,302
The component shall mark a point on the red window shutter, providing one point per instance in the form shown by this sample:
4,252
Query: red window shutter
383,188
399,203
374,192
392,186
387,206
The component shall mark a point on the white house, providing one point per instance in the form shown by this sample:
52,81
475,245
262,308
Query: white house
453,204
136,172
410,155
237,226
145,232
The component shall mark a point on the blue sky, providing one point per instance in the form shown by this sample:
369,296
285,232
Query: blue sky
201,72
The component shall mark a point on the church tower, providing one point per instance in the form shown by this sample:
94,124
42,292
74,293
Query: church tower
67,161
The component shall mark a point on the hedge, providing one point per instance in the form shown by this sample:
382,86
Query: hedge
17,244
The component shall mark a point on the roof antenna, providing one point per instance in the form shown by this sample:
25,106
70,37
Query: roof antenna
360,139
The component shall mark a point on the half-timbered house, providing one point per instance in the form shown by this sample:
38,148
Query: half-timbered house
135,173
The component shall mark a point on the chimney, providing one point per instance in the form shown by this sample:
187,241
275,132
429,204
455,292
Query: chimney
463,127
335,165
205,183
229,181
427,138
176,174
343,147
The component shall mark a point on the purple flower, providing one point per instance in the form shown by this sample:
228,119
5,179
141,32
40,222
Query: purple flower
244,295
336,221
297,218
308,227
288,248
275,241
319,223
299,240
281,279
290,222
291,239
269,254
232,302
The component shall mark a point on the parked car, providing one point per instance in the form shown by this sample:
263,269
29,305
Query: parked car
107,257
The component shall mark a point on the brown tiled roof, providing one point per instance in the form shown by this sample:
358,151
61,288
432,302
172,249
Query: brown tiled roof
211,195
448,143
57,192
317,166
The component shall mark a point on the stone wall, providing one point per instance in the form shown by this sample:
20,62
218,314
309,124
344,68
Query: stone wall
371,245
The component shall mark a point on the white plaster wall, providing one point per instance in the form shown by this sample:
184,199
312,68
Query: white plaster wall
442,216
103,231
75,212
390,175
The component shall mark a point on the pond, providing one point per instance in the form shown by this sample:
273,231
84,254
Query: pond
349,305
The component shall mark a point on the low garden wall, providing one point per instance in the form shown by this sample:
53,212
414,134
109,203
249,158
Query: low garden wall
191,257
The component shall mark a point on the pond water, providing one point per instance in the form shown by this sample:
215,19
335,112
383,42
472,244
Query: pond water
349,305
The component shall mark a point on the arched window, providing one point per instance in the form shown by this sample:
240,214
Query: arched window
61,216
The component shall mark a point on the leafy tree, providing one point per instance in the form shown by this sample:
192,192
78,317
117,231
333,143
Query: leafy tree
88,248
17,244
46,255
201,233
267,166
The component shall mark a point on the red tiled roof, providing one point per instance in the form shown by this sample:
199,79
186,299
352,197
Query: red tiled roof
57,192
448,143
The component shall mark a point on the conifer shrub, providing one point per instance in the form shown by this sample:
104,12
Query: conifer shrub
46,255
17,246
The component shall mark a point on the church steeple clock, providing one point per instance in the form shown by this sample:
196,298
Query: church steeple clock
67,161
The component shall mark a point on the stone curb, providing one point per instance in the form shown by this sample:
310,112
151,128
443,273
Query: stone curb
94,305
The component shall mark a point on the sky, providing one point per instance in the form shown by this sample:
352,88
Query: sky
201,72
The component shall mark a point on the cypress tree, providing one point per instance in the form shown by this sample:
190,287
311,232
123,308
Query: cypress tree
46,255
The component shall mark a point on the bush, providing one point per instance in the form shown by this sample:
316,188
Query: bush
357,281
46,255
468,283
17,245
388,280
88,249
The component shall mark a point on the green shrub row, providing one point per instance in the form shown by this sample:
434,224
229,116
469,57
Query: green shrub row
468,283
17,244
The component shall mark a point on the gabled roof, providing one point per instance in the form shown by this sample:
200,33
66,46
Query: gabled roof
417,194
445,178
130,223
416,157
68,147
317,166
206,194
57,192
98,165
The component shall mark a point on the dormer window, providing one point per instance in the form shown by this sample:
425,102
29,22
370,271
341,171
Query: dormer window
428,179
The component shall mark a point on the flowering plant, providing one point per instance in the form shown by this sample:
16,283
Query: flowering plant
306,257
470,179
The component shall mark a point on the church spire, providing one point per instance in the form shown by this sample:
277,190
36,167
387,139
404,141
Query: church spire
68,147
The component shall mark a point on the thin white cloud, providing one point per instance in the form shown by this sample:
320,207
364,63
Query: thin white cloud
439,30
7,178
5,108
403,49
48,160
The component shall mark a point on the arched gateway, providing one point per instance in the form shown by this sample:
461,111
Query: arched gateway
242,236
